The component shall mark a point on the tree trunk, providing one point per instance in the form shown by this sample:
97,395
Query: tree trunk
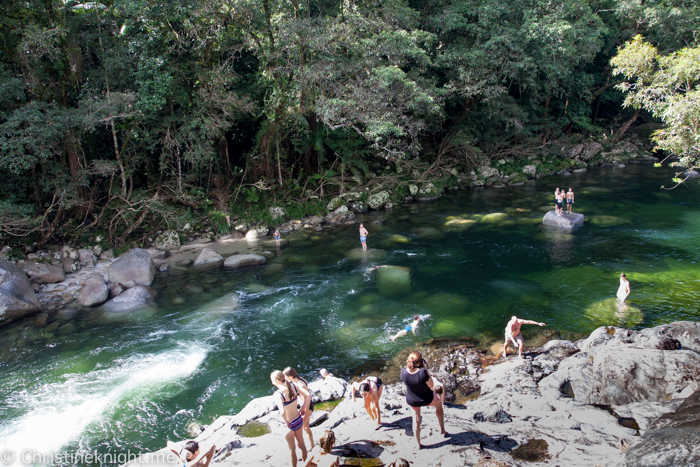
626,125
74,163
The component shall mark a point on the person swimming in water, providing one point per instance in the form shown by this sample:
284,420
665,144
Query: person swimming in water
411,327
624,290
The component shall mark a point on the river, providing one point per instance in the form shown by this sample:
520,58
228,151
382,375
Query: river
476,257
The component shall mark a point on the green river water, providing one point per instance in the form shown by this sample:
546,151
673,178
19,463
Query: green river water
476,257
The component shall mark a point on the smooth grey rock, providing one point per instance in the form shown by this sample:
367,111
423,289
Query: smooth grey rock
87,257
130,299
566,221
135,266
108,255
70,265
589,151
17,297
252,234
42,273
237,261
95,292
673,440
208,257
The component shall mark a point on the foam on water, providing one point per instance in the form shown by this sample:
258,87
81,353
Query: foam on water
57,413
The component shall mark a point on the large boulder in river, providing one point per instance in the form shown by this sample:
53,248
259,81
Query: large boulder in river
237,261
42,273
133,268
17,297
95,292
673,439
393,280
208,257
567,220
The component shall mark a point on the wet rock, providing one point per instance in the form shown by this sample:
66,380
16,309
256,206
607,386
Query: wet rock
252,234
130,299
42,273
135,266
158,255
567,221
192,289
237,261
208,257
17,297
393,280
95,291
535,450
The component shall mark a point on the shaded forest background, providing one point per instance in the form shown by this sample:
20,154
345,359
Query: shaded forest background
125,117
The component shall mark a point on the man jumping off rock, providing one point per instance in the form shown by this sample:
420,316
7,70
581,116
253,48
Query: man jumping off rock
513,334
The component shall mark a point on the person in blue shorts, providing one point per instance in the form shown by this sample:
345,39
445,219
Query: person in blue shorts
569,200
363,237
276,236
411,327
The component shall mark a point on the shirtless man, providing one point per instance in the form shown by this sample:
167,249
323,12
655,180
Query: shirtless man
513,334
363,237
569,200
411,327
560,202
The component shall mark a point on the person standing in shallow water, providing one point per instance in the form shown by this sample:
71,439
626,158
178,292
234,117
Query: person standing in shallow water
569,200
624,290
419,392
363,237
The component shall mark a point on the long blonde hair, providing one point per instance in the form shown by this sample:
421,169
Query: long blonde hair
278,376
327,441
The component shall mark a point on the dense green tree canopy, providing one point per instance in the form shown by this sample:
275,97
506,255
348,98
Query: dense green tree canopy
113,114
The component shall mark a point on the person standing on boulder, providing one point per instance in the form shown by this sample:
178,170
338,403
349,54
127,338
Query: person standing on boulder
624,290
513,334
286,396
560,202
569,200
363,237
556,200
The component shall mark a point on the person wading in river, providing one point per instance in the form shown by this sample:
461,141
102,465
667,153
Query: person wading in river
513,334
363,237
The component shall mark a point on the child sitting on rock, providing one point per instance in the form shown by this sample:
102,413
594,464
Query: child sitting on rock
321,455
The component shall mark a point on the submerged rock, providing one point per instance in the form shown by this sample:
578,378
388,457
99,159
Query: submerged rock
208,257
393,280
130,299
566,221
237,261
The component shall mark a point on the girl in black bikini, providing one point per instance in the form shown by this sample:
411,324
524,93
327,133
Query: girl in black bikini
287,404
371,389
291,375
419,392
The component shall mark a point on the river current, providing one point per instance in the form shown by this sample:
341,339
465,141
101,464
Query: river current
476,257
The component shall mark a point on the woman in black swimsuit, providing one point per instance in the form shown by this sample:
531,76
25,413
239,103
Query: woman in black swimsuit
419,392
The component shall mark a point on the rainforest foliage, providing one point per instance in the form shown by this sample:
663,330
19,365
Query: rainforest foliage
127,116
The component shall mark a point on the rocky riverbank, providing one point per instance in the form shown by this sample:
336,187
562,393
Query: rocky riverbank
618,397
